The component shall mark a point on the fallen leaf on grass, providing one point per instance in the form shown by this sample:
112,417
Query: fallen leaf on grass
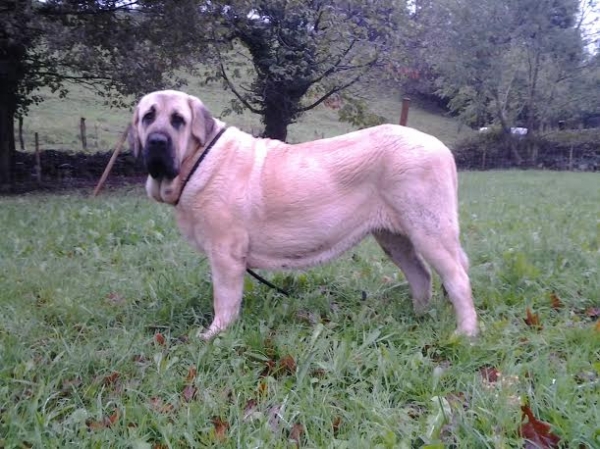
250,408
287,365
111,379
319,373
269,369
335,426
221,428
557,304
274,418
536,432
597,326
296,433
489,374
189,393
494,381
159,339
593,313
263,388
106,422
533,320
114,298
158,405
191,375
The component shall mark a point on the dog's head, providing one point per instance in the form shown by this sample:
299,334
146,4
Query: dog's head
168,127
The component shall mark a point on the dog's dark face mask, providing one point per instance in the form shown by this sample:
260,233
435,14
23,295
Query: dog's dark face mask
159,156
163,129
158,153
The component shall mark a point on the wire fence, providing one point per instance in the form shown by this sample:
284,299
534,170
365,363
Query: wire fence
62,155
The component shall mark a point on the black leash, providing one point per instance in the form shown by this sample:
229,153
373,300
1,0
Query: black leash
267,283
197,164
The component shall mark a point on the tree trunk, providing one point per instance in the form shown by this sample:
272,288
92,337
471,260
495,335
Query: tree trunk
7,142
11,73
275,126
278,113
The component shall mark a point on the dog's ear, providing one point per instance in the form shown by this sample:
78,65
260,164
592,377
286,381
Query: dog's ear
133,137
203,123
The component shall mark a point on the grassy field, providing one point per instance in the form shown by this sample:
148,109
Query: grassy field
56,120
100,302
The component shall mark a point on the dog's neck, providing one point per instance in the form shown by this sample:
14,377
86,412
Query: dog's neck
198,157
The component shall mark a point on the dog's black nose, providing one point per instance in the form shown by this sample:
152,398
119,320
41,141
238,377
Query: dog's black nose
158,141
159,156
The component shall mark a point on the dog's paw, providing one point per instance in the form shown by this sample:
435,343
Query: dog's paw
470,332
421,309
207,334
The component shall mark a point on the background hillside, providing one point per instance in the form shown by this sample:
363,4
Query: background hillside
56,120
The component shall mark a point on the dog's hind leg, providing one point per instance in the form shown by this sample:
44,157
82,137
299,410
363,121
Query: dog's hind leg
402,252
446,256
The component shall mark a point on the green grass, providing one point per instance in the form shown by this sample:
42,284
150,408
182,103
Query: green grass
86,284
56,120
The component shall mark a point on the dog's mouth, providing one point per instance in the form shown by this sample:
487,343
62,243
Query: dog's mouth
163,190
159,157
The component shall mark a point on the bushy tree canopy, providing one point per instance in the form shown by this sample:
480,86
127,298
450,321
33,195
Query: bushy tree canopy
504,62
113,46
300,53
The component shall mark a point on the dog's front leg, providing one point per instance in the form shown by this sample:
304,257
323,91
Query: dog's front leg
228,267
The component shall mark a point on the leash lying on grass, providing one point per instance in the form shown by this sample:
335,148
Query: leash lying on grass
105,174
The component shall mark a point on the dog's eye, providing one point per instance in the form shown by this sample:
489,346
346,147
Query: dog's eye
148,116
177,121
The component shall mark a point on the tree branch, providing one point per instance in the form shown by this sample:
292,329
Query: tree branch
233,88
330,93
83,78
336,64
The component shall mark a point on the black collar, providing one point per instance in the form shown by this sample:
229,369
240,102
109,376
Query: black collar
197,164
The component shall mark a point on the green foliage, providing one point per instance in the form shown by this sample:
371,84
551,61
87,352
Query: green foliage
112,47
301,53
105,45
357,113
503,62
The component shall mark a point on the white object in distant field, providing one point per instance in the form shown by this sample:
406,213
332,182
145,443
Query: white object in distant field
515,130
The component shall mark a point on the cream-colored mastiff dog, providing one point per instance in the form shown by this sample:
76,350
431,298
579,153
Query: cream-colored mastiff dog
259,203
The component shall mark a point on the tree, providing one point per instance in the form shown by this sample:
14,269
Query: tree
109,45
505,62
300,53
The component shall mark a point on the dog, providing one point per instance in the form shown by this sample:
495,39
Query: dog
250,202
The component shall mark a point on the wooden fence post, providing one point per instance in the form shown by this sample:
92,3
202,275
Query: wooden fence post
404,113
571,158
38,162
21,141
82,133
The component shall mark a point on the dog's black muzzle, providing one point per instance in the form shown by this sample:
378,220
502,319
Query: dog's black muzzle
159,156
